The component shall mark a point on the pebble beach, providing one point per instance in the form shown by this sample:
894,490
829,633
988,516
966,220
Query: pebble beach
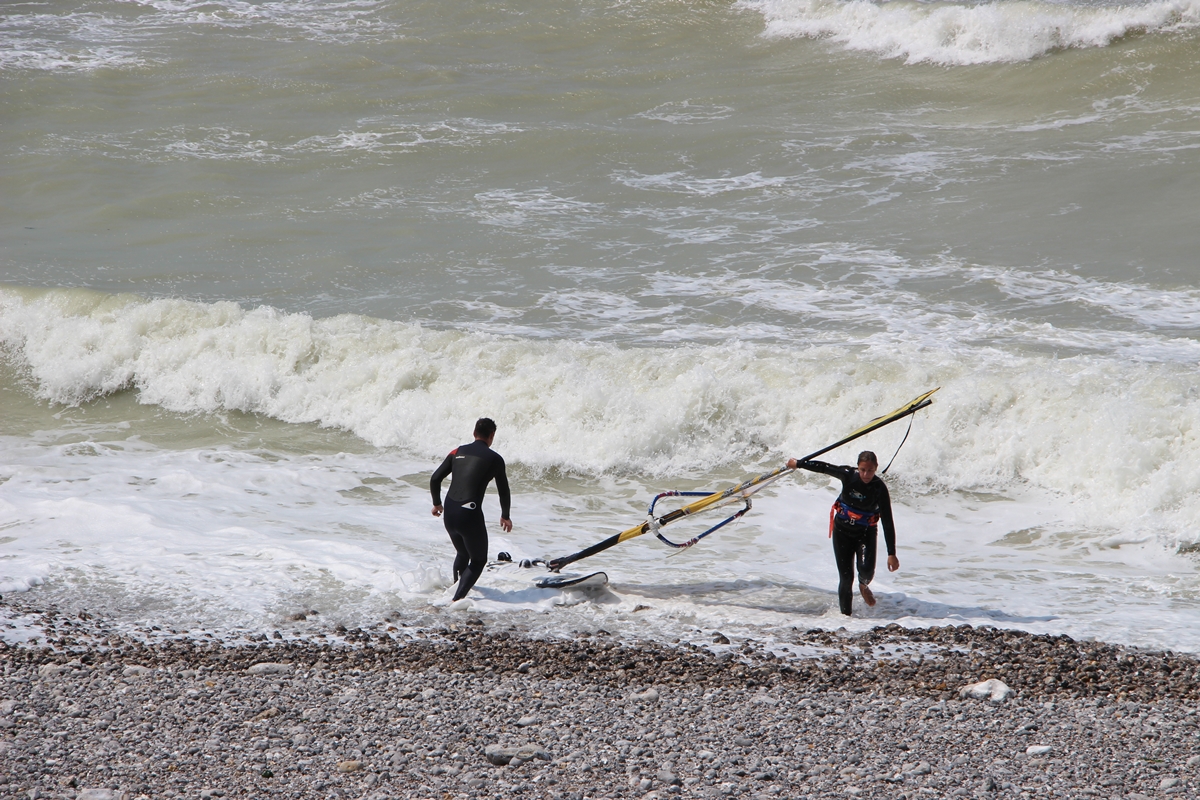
477,709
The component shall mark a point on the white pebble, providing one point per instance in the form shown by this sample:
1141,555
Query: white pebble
267,668
1038,749
992,689
528,752
50,670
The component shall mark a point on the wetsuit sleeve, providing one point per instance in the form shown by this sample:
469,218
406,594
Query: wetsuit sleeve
502,489
439,475
885,517
841,473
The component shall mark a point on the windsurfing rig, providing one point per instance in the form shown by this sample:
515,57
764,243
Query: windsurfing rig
710,500
656,525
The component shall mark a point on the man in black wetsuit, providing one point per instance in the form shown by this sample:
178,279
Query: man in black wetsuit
473,466
854,524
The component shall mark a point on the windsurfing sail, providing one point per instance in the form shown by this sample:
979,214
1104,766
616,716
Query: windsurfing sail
733,494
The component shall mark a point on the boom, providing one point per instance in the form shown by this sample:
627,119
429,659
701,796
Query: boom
742,490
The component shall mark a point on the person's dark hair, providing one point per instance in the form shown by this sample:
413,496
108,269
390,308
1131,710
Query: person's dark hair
869,457
484,428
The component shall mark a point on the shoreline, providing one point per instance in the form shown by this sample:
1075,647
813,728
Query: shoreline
426,713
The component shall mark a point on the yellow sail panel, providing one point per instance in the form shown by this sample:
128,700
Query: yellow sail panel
907,408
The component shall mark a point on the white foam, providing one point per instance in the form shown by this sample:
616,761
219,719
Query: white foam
1089,315
383,135
1155,308
595,407
73,41
1037,492
327,22
702,187
685,112
212,535
86,41
217,144
956,33
213,143
17,628
235,541
514,209
40,55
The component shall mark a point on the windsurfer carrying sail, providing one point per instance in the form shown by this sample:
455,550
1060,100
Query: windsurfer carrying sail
473,467
854,524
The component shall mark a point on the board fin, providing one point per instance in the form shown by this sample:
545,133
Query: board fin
572,580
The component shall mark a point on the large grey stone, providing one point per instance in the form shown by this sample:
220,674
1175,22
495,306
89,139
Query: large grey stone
514,756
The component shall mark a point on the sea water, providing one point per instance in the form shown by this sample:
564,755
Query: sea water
264,263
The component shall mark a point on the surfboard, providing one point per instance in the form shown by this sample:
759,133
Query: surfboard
572,580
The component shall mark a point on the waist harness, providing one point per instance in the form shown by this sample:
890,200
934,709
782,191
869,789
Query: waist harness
847,515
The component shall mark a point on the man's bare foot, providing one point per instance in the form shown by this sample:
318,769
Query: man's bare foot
866,593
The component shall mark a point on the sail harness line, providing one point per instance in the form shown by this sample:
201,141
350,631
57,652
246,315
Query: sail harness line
902,441
742,491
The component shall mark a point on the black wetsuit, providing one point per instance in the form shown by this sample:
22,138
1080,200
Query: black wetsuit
473,466
855,526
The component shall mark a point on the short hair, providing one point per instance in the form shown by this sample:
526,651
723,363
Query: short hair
869,457
484,427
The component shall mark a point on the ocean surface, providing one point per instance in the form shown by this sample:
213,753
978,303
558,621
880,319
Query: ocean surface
262,265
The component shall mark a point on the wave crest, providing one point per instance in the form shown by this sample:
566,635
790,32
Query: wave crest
962,33
1116,437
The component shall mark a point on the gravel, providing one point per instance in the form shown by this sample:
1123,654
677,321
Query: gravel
471,710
